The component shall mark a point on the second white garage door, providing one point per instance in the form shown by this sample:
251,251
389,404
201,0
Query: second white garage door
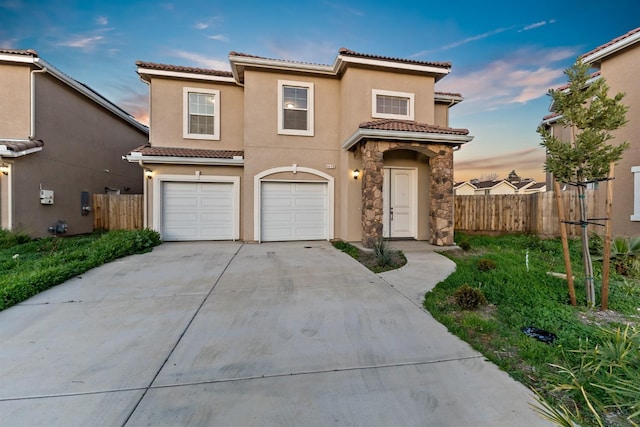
293,211
197,211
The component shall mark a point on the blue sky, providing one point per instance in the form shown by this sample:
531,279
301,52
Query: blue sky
505,55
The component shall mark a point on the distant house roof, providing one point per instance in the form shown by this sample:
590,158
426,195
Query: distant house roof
149,154
612,46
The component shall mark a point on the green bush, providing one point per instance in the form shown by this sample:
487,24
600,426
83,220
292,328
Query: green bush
41,264
9,239
465,245
485,264
468,298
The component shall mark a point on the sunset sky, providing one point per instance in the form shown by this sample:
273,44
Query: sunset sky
505,55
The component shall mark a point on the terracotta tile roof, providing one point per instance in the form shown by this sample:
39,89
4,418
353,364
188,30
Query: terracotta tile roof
346,52
182,69
566,86
448,94
612,42
551,116
248,55
410,126
147,150
27,52
17,146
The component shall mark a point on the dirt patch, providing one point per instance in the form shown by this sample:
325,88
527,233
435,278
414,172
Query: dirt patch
607,318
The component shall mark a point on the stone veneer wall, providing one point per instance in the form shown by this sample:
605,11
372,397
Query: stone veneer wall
441,221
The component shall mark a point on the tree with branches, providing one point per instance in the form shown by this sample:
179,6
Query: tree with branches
585,108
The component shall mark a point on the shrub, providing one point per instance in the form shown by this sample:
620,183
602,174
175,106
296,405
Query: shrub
468,298
12,238
465,245
382,253
486,264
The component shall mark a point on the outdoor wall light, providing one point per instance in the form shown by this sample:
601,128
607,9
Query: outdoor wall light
4,168
356,174
148,173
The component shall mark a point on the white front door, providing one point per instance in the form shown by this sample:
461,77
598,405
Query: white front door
399,203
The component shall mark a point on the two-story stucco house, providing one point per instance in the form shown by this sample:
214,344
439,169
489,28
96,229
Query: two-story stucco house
277,150
60,142
617,61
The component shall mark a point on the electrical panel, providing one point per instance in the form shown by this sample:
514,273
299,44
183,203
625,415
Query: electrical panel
46,197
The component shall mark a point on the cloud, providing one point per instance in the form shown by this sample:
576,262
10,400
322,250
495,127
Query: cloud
528,163
219,37
305,51
537,25
201,60
517,78
102,20
136,104
463,42
82,43
11,4
201,26
344,9
8,44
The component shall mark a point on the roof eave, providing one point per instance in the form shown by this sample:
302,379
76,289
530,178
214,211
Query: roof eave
360,134
5,152
438,72
598,56
144,72
214,161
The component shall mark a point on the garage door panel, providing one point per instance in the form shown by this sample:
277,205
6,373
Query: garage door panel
198,211
294,211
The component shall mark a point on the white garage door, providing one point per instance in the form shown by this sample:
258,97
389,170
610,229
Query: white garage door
293,211
197,211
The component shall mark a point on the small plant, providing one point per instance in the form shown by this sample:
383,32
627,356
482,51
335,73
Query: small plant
468,298
465,245
486,264
625,253
382,253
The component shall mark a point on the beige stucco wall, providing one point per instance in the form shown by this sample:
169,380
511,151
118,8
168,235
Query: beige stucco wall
357,84
265,149
15,101
83,150
166,126
441,115
620,72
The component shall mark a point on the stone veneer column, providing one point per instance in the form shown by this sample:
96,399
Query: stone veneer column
372,162
442,220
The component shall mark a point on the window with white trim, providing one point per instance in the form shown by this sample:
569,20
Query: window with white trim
386,104
635,170
201,109
295,108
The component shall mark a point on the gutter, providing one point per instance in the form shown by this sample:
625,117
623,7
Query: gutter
609,50
137,158
32,129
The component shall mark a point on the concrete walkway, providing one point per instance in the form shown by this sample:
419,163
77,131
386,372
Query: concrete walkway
232,334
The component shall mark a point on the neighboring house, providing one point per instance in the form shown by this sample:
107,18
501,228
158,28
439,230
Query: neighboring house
617,61
280,150
60,142
464,188
513,184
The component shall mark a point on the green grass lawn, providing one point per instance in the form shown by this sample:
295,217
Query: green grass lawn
520,293
28,267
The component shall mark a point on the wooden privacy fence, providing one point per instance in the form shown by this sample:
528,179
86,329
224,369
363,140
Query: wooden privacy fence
117,212
535,213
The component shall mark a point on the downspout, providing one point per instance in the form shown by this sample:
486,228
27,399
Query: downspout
145,197
32,130
9,180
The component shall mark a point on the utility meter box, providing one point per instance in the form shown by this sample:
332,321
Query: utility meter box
46,197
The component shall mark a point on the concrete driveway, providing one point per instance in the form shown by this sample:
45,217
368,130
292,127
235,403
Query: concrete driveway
232,334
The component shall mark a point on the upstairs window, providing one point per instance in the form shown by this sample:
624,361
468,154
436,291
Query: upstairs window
295,108
387,104
201,113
